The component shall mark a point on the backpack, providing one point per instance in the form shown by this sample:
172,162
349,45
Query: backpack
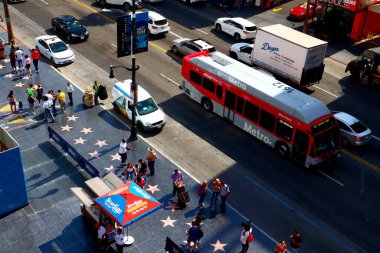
200,233
250,238
102,92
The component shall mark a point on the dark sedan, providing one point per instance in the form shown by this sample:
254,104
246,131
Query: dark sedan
70,27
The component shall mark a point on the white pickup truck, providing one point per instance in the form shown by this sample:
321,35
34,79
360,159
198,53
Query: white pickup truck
127,4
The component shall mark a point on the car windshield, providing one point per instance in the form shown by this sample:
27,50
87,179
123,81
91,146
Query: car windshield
57,47
146,106
358,127
251,28
73,24
211,49
327,141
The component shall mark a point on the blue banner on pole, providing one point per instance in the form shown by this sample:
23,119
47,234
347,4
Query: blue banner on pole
124,30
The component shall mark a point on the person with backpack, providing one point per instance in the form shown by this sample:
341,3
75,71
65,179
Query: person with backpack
246,237
295,241
193,237
225,190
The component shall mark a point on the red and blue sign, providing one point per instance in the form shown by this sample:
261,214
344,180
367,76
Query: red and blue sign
127,204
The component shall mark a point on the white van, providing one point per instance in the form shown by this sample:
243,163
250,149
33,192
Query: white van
148,116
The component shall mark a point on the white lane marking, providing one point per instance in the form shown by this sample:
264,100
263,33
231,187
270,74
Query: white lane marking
175,35
154,8
336,181
326,91
199,30
44,2
169,79
113,45
375,137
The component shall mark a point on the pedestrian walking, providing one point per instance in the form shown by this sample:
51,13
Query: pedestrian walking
53,100
280,247
31,101
192,237
28,62
70,90
202,192
95,88
123,149
130,171
40,92
295,241
151,158
31,91
20,58
12,101
119,239
216,187
12,59
35,55
176,175
47,109
245,234
225,190
62,100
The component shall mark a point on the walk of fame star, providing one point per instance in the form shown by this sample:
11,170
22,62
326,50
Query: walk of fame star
168,222
109,169
25,78
66,128
19,84
152,188
8,75
1,66
79,141
101,143
94,154
116,157
86,130
6,60
73,118
172,205
218,246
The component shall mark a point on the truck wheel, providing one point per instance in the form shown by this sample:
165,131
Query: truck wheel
282,149
102,3
207,104
218,27
237,37
126,6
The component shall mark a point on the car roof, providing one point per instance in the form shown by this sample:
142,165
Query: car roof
49,38
156,16
202,43
243,21
66,18
346,118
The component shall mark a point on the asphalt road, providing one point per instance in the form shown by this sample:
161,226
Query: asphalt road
335,210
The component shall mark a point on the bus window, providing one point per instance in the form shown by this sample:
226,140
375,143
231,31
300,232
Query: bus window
251,111
208,85
219,91
240,105
284,130
195,77
267,120
230,100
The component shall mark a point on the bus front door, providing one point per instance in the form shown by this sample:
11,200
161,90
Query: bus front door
229,106
300,146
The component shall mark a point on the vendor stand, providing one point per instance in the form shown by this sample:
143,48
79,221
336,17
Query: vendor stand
88,98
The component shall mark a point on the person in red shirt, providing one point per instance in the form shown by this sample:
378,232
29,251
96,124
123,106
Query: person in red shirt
140,181
35,55
280,247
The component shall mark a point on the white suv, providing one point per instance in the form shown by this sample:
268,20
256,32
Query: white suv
127,4
157,24
239,28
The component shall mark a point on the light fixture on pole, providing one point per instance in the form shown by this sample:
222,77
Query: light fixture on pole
9,25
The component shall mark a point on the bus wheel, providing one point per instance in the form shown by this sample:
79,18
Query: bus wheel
207,104
116,108
282,149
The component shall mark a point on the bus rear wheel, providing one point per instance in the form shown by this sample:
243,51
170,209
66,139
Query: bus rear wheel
207,104
282,149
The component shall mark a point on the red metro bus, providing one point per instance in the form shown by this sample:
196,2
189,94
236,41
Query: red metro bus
294,124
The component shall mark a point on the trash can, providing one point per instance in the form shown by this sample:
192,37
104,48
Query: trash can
2,52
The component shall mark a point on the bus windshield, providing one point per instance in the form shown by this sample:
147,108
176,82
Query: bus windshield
146,106
327,141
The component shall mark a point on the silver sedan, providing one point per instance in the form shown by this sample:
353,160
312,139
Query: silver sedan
187,46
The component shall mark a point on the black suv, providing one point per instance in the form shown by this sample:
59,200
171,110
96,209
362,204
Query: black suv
70,27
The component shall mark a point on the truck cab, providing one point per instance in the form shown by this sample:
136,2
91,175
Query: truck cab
366,68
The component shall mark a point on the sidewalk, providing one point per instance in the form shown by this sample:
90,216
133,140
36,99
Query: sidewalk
52,222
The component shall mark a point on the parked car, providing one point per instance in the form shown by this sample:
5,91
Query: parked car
54,49
187,46
157,24
353,131
16,1
126,4
239,28
70,27
299,12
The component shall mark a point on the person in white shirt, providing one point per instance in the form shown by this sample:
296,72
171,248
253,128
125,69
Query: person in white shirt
246,230
20,58
47,109
123,148
102,237
70,90
119,239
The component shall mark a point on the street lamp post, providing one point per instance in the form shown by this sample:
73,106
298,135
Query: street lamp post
8,21
134,86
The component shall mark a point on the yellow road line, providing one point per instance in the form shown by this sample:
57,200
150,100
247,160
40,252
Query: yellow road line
361,160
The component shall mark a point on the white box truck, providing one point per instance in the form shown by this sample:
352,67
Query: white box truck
285,52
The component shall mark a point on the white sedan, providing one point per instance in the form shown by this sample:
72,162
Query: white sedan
54,49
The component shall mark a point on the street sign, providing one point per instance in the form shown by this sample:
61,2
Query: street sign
124,29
